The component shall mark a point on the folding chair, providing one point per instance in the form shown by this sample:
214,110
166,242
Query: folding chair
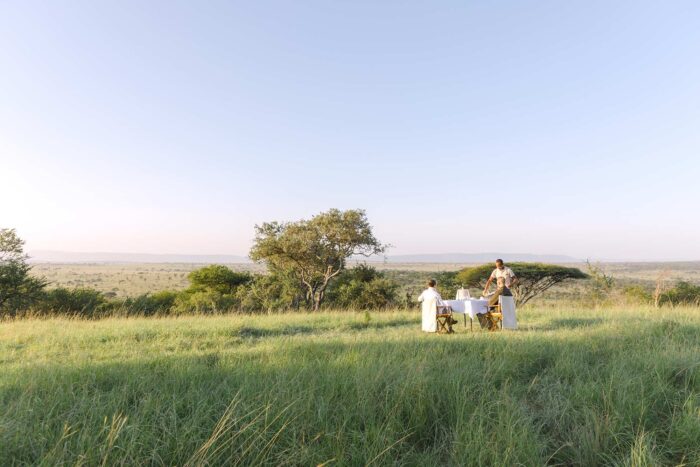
495,315
444,320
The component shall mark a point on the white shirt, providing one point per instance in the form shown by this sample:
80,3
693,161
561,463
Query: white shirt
429,294
503,276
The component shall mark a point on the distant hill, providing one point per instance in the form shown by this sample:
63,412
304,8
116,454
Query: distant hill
48,256
480,258
51,256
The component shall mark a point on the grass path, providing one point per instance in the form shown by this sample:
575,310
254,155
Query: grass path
572,387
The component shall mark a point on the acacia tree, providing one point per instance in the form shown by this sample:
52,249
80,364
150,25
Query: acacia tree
18,289
533,278
315,251
218,278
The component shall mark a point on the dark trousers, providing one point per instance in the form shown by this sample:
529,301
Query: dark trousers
505,291
485,319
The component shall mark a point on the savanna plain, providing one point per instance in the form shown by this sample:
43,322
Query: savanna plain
577,384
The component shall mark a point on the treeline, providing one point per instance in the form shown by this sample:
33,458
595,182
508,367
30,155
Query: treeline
306,262
307,269
218,289
682,293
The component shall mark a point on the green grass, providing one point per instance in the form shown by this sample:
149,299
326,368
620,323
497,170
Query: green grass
571,387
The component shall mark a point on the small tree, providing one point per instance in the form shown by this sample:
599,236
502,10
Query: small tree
661,287
18,289
533,278
601,283
684,293
150,304
84,302
271,292
213,288
362,288
315,250
218,278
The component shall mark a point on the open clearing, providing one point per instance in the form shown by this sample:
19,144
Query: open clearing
572,386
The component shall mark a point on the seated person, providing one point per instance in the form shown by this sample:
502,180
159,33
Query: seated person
432,293
505,279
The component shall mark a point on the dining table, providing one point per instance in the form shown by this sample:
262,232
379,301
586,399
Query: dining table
469,307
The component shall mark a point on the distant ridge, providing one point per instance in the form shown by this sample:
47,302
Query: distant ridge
480,258
50,256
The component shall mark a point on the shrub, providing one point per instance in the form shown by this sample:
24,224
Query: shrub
218,278
18,289
601,284
684,293
85,302
271,292
637,294
213,289
364,288
159,303
203,302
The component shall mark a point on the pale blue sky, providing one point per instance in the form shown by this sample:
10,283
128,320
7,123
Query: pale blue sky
468,126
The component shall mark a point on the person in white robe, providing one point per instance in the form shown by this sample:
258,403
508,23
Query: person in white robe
431,302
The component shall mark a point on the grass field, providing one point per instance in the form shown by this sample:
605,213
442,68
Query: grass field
571,387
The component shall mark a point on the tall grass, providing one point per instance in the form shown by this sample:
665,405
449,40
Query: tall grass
571,387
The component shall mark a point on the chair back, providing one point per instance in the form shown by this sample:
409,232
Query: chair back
508,312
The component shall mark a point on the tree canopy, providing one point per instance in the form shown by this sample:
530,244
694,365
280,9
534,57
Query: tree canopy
218,278
533,278
316,250
362,288
18,289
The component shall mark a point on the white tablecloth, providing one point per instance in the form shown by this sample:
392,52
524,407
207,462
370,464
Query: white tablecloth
471,307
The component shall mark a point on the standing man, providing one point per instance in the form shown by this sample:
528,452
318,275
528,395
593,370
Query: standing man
505,279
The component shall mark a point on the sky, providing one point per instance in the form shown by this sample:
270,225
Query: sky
543,127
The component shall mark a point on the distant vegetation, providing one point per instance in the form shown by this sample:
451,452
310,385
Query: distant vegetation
306,260
304,266
218,289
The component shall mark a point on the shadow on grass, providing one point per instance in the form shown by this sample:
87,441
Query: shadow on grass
394,323
258,332
570,323
252,332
